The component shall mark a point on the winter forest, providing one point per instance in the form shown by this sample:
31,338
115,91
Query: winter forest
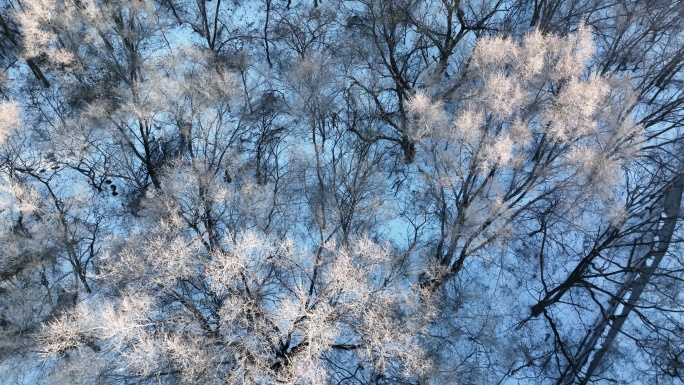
341,192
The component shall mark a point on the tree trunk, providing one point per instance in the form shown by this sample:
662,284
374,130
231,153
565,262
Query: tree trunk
609,324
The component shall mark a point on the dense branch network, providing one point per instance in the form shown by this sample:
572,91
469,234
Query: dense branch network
341,192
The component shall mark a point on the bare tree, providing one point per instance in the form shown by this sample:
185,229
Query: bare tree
341,192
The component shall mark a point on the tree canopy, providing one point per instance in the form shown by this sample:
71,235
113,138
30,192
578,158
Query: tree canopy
341,192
